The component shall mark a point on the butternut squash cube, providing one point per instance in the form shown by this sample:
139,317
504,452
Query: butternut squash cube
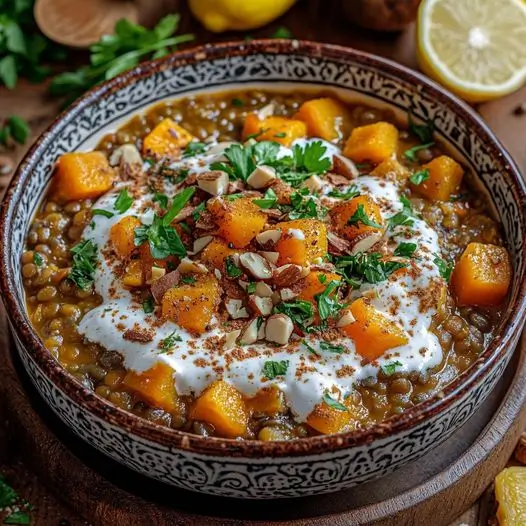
167,138
315,283
83,175
277,129
269,401
445,176
302,241
133,276
156,386
216,252
328,420
364,214
392,168
122,236
239,221
223,406
482,276
373,142
326,118
192,305
372,332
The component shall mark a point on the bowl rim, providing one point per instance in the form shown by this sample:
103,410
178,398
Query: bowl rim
174,438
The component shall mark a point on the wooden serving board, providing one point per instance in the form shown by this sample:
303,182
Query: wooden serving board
432,491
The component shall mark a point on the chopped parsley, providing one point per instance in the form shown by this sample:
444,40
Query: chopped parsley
419,177
280,135
360,216
282,32
38,260
271,369
194,148
162,199
405,250
403,218
328,304
334,404
123,202
306,161
178,203
233,197
331,347
17,517
189,280
410,154
304,206
299,311
100,212
196,214
310,348
423,131
241,162
444,268
390,368
238,103
184,226
170,341
231,270
18,506
148,306
348,194
84,264
322,278
251,287
270,199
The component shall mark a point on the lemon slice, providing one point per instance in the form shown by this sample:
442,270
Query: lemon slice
476,48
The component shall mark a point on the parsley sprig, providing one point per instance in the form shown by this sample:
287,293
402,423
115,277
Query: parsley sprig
123,202
269,200
84,264
390,368
403,218
360,216
169,342
271,368
327,301
425,133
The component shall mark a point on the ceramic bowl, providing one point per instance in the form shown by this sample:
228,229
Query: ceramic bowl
256,469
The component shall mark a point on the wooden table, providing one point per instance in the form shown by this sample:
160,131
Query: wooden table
313,20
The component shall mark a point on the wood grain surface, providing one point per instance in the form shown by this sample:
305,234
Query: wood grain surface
315,20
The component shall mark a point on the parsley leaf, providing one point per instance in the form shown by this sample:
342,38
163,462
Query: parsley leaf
444,268
331,347
405,250
410,154
270,199
170,341
304,206
17,517
194,148
84,264
231,270
419,177
238,103
310,348
282,32
8,495
423,131
123,202
390,368
100,212
251,287
38,260
162,199
241,162
360,216
196,214
164,240
148,306
271,369
178,203
189,280
328,305
334,404
15,128
403,218
299,311
265,152
348,194
322,278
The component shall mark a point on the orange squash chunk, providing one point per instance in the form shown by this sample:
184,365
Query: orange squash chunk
328,420
156,386
293,249
374,142
326,118
216,252
269,400
277,129
482,276
391,168
372,332
239,221
313,286
167,138
133,276
343,212
191,305
122,236
445,176
82,176
510,492
223,406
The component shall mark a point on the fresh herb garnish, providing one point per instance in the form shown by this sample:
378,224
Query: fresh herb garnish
162,199
196,214
148,306
19,518
185,228
423,131
15,128
405,250
334,404
271,369
444,268
328,304
304,206
84,264
410,154
238,103
419,177
331,347
251,287
100,212
403,218
231,270
233,197
270,199
194,148
282,32
280,135
241,162
123,202
178,203
360,216
38,260
8,495
170,341
306,161
390,368
310,348
189,280
322,278
348,194
299,311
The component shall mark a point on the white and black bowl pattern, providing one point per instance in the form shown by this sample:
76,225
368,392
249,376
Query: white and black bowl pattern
254,469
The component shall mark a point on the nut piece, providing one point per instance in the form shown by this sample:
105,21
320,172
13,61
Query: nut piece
261,306
250,334
287,294
161,285
125,154
365,241
286,275
263,290
343,166
279,328
313,183
272,257
201,242
236,309
230,339
346,319
214,182
262,176
269,236
256,265
187,266
157,273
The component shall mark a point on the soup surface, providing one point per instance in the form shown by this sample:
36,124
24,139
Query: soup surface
265,265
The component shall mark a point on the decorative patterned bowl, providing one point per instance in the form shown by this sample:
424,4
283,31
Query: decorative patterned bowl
261,469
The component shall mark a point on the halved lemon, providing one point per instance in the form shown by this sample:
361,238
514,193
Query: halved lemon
476,48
